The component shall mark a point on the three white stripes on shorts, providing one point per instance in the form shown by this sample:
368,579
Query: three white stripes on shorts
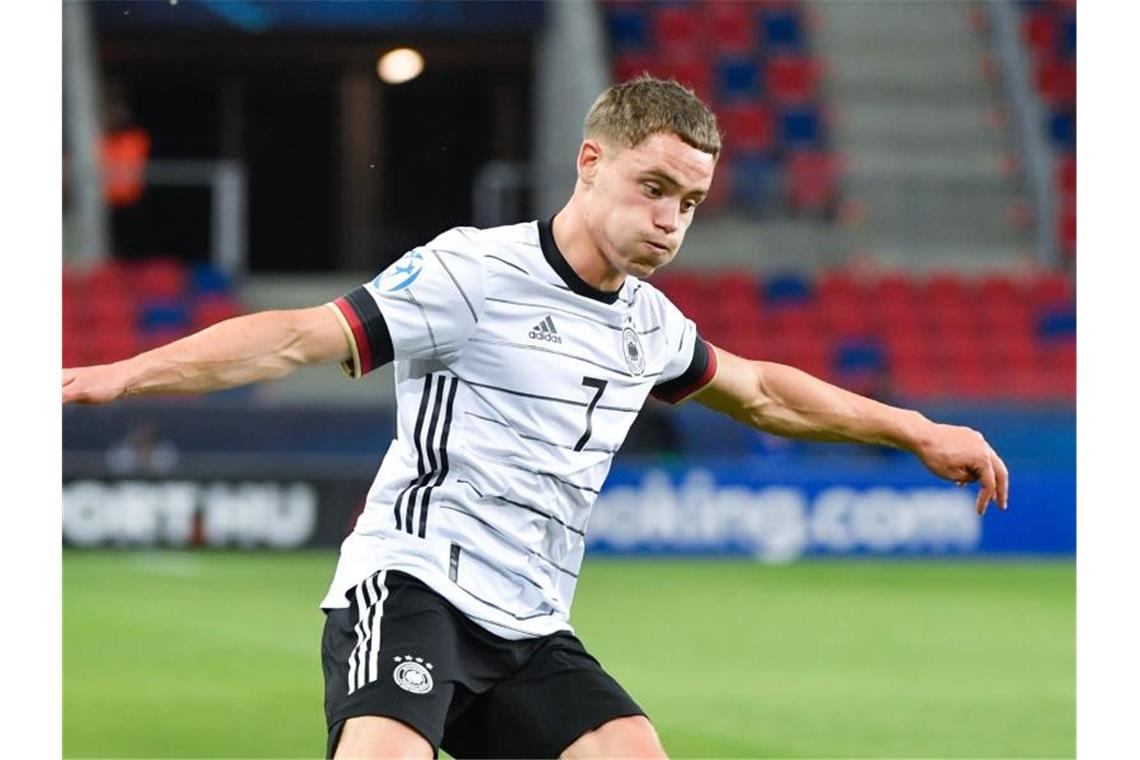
364,661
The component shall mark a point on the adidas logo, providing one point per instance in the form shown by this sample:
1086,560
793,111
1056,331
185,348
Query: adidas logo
544,330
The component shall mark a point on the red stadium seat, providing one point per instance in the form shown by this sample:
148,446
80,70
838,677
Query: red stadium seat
792,79
1051,289
114,345
1067,175
812,184
838,284
1039,30
748,127
734,286
677,29
629,66
208,311
161,278
732,27
999,287
1067,227
693,71
1057,82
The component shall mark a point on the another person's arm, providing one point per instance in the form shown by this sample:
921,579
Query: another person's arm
239,351
785,401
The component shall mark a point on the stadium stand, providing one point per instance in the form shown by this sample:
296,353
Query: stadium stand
118,309
1049,32
753,63
943,336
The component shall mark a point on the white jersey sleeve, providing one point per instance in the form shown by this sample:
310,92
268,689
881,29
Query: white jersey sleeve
423,306
692,361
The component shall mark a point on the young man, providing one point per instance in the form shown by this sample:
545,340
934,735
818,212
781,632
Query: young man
522,355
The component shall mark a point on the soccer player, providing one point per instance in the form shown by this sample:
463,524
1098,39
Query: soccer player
521,355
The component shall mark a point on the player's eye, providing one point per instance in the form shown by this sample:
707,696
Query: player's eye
688,206
652,190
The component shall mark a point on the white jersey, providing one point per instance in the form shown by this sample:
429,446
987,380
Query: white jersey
516,382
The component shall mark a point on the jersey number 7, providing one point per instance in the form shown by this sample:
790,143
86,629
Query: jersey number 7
591,382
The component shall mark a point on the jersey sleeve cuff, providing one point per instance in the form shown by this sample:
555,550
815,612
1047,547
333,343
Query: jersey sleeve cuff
366,330
701,371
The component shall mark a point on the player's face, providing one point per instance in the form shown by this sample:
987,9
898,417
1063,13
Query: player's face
642,200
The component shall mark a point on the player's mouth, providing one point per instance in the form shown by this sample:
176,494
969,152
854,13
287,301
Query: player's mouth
659,248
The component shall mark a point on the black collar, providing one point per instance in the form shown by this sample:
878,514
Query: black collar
560,265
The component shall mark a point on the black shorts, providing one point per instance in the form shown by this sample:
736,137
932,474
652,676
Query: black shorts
414,657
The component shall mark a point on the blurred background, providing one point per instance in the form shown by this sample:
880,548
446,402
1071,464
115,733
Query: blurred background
894,212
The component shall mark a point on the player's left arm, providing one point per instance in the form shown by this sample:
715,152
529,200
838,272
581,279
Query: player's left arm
788,402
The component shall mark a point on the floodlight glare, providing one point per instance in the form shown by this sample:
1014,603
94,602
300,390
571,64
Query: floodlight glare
400,65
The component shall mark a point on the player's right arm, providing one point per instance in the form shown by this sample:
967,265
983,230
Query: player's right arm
247,349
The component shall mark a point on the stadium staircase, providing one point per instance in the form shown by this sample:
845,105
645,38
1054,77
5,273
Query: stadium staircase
927,159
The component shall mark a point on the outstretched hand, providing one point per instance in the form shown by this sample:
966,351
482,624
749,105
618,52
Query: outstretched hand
94,385
962,455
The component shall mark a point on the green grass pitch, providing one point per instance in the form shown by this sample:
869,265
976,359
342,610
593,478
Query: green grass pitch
216,655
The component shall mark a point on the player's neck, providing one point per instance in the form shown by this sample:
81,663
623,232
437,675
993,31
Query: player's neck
582,253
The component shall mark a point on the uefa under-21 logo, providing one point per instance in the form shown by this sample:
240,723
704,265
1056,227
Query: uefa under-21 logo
401,273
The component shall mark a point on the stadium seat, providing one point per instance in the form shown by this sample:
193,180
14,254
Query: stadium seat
1063,129
1069,35
781,30
801,127
693,71
1057,82
161,278
734,286
629,29
163,315
731,28
205,278
111,311
1057,324
1049,290
757,181
748,128
999,287
113,345
1039,30
1067,175
631,65
110,277
791,79
787,289
677,28
738,79
811,182
1067,226
212,309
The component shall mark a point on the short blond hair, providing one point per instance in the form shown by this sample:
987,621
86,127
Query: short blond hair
629,112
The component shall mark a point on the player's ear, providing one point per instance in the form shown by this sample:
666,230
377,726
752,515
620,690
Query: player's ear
589,156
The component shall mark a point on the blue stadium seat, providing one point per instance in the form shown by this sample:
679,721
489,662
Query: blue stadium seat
860,356
738,79
787,289
1058,324
629,29
164,315
782,30
801,128
1069,36
1063,129
757,182
206,278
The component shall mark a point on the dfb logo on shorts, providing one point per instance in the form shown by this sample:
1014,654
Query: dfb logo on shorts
413,674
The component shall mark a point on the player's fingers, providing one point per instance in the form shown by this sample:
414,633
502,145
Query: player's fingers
1001,473
989,486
